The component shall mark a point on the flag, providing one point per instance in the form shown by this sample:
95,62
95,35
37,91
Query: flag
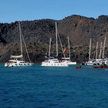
65,50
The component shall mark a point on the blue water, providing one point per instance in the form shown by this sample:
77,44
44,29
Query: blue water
42,87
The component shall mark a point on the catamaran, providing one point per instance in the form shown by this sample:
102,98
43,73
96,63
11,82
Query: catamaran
18,60
67,59
99,60
52,61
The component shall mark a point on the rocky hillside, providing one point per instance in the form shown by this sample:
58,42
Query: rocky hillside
37,33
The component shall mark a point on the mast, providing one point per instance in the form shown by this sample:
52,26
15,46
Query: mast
96,50
69,46
103,54
50,47
100,54
20,33
26,48
61,45
90,49
56,39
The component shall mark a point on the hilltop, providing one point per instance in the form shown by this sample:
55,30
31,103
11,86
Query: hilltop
37,33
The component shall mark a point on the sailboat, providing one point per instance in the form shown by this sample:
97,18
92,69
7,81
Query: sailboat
96,60
52,61
101,61
67,59
18,60
90,61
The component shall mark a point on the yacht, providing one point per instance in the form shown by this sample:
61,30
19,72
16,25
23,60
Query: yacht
18,60
52,61
99,60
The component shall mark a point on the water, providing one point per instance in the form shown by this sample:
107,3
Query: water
42,87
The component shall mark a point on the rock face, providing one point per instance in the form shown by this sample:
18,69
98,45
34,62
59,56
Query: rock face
37,33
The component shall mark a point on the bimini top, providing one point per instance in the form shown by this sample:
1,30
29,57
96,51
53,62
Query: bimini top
16,56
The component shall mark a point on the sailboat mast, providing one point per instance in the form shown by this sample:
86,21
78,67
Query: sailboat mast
20,33
56,39
96,50
100,54
61,45
90,49
103,54
69,46
50,47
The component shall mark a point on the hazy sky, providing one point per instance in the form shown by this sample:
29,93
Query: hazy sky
12,10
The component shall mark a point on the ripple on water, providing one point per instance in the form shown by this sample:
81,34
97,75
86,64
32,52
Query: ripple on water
39,87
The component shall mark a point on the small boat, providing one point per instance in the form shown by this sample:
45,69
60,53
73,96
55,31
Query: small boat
78,66
17,61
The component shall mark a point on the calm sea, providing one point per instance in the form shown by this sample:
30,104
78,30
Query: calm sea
42,87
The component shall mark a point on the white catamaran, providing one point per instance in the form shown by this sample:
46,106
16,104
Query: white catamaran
98,60
101,59
18,60
51,61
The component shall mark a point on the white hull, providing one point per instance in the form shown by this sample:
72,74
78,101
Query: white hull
54,63
71,63
68,61
91,62
101,61
17,64
97,61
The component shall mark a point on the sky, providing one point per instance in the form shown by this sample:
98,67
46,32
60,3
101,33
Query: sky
15,10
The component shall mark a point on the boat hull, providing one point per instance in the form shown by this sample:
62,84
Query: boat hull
72,63
54,64
17,64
